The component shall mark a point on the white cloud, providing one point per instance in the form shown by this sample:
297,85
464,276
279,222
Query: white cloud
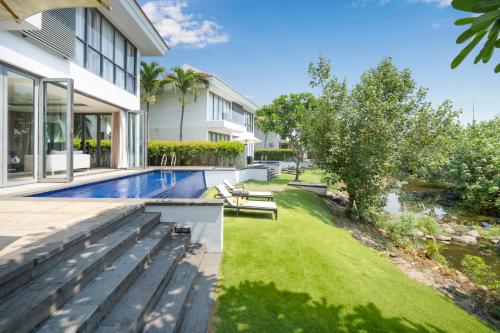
439,3
179,28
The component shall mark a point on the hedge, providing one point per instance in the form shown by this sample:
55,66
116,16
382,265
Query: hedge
274,155
222,153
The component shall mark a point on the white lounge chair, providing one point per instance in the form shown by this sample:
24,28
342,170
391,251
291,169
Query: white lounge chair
247,194
239,203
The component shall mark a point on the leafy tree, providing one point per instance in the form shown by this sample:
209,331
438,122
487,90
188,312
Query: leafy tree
355,135
265,126
474,167
485,23
430,138
286,116
186,85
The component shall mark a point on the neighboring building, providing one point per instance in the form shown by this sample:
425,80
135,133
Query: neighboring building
64,63
219,114
268,141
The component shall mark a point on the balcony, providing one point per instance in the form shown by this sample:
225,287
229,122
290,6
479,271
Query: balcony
225,127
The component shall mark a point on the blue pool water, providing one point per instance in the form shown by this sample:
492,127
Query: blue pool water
153,184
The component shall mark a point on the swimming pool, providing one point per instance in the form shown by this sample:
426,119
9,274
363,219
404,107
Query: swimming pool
152,184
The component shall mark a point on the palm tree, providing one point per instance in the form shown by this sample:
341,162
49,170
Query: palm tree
152,86
186,84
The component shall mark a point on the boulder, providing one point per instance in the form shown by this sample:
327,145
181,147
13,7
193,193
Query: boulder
495,240
449,230
443,238
419,233
466,239
473,233
429,237
419,195
485,225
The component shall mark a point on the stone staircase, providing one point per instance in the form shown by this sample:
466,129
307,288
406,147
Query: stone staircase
271,173
129,273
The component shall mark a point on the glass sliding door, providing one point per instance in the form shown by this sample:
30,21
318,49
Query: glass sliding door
136,140
56,130
20,127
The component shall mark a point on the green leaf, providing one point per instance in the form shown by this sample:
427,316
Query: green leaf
464,21
489,46
484,6
497,69
485,20
465,52
464,5
475,6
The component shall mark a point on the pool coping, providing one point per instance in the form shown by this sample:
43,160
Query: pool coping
105,177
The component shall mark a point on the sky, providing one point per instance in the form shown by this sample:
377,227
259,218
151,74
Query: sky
262,47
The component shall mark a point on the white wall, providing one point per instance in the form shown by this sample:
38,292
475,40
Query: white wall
259,174
205,221
273,139
216,177
165,118
30,56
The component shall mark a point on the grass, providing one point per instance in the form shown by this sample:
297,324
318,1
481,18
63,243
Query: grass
303,274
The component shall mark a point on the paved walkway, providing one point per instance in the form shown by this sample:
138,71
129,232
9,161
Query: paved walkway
25,221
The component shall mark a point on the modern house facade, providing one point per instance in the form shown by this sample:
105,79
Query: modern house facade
220,113
269,140
68,75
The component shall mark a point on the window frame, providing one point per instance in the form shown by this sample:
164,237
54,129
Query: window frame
128,85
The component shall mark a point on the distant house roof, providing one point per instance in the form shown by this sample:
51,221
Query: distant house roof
238,97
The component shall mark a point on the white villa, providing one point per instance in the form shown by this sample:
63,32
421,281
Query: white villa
64,67
221,113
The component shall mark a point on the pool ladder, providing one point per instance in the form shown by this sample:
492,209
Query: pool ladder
173,161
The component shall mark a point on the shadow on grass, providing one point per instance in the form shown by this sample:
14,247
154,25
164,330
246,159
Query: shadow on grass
261,307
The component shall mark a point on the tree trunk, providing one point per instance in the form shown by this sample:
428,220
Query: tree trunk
297,169
146,134
182,121
349,208
265,141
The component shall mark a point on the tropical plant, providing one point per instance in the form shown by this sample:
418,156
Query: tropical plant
485,22
82,122
152,82
186,85
286,116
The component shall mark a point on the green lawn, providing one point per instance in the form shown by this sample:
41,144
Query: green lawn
303,274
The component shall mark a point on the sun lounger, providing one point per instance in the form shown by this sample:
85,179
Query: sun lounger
240,203
235,191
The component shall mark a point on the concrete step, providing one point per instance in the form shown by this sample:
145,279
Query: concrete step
23,265
41,297
168,313
200,300
129,313
84,311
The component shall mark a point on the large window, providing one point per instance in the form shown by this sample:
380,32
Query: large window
238,114
216,137
218,108
103,50
249,121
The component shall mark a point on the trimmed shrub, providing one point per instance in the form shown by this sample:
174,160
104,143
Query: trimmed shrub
274,155
91,148
194,153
